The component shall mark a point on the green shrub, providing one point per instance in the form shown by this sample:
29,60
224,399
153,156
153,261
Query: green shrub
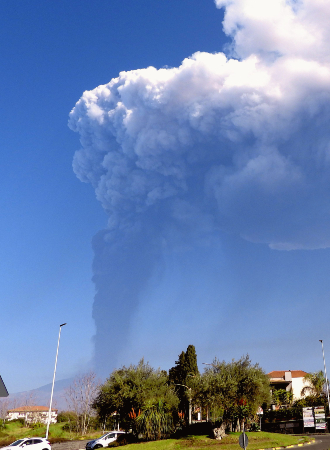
66,416
36,425
123,439
254,426
20,421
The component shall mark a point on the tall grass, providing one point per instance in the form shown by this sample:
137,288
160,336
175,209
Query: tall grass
15,430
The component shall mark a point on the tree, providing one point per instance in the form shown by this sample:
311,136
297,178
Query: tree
137,391
185,367
235,389
80,396
315,384
4,406
177,374
182,376
190,363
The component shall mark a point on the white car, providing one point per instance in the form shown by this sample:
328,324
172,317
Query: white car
104,440
34,443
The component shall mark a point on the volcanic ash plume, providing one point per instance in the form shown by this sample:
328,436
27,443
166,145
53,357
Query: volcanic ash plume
218,144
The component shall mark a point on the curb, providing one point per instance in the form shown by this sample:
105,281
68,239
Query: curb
289,446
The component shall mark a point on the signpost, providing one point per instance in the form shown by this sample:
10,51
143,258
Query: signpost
3,389
243,440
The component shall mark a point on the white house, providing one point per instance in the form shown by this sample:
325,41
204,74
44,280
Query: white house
290,380
32,414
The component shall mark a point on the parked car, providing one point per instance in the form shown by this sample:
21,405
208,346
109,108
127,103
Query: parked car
104,440
34,443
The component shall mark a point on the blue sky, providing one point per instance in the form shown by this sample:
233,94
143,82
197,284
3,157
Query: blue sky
205,216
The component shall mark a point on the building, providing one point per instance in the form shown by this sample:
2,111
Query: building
32,414
290,380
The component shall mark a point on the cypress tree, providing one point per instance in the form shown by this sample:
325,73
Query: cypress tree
190,363
181,375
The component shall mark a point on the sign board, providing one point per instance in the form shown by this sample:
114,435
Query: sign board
243,440
3,389
320,422
260,411
308,417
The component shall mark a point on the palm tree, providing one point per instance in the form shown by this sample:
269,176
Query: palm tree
315,384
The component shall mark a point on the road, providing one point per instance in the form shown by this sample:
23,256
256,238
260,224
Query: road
322,442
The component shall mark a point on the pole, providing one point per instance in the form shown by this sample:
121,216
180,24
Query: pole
244,444
325,372
51,396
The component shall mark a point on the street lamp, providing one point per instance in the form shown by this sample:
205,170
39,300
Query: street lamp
51,396
325,372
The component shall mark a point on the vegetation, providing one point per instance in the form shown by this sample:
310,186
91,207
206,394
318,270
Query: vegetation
141,398
183,376
155,404
16,429
256,441
316,384
234,390
282,397
79,397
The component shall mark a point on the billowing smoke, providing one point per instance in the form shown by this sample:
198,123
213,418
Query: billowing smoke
237,143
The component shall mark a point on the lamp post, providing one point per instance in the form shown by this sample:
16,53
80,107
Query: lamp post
325,373
51,396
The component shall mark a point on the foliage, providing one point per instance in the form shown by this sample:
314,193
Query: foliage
66,416
123,439
315,384
312,400
254,426
282,397
155,422
16,429
185,368
238,388
132,389
294,412
184,376
191,367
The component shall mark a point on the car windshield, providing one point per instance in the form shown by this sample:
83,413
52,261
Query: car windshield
104,436
17,442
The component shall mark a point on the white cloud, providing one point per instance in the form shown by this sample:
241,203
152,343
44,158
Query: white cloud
287,27
244,141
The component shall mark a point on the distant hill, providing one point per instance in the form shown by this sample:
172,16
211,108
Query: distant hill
41,395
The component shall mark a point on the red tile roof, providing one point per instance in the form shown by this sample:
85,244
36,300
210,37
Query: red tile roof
31,409
281,373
